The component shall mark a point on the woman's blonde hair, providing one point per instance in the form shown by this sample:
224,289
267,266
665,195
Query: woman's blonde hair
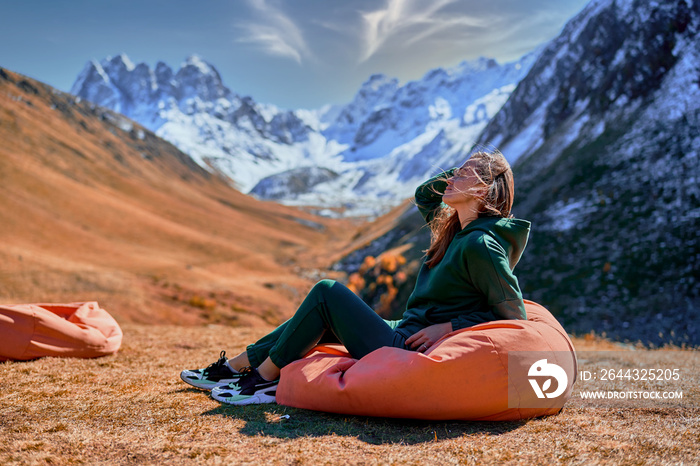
496,196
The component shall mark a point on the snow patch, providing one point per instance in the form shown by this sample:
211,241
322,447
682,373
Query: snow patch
530,138
567,215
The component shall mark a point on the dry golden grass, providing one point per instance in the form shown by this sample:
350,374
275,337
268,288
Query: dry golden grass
131,408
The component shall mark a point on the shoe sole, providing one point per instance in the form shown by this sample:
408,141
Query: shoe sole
205,385
242,400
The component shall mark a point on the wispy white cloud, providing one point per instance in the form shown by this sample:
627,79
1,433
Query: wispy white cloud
275,32
397,25
444,25
401,16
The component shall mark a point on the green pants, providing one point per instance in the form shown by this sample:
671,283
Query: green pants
330,313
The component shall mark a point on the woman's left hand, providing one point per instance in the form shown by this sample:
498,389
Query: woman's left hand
424,339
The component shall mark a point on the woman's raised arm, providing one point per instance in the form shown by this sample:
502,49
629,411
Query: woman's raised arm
429,194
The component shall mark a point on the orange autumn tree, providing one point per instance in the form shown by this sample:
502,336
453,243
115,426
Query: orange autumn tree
382,283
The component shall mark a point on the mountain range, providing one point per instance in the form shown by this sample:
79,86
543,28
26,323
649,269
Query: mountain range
362,158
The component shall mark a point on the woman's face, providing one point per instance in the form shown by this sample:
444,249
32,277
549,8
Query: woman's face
463,185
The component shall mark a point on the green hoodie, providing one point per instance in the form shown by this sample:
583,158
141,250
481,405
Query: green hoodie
474,281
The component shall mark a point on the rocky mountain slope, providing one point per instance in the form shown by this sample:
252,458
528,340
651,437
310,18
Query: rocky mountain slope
365,156
604,136
608,169
96,207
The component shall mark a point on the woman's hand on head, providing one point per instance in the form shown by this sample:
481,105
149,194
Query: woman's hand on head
424,339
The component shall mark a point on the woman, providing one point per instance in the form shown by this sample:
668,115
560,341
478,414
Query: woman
465,280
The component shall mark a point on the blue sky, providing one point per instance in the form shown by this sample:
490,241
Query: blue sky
294,53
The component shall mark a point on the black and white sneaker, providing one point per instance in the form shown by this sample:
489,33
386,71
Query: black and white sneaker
250,389
216,375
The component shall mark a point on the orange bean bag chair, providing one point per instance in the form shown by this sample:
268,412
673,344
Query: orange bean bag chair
463,376
82,330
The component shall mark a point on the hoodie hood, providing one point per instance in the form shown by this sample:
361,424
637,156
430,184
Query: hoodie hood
511,234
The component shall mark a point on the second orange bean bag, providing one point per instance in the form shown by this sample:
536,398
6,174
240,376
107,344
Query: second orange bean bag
83,330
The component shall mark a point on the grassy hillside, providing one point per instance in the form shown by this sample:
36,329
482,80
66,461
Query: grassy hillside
94,207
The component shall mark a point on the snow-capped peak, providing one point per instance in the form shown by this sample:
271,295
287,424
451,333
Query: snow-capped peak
198,62
121,60
377,82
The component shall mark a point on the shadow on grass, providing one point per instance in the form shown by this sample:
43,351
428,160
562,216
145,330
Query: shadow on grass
266,420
